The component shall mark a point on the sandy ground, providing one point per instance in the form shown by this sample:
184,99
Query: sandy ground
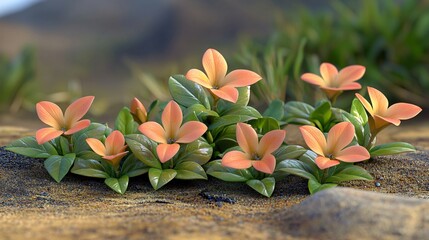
33,206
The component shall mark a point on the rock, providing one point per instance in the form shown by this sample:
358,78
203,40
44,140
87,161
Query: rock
344,213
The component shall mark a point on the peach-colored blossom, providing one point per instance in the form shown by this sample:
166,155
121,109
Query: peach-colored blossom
67,123
138,111
113,149
256,154
333,149
172,132
333,82
217,81
382,115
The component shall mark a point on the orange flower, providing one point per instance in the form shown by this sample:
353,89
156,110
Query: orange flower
382,115
172,131
66,124
217,81
254,154
138,111
332,82
334,149
112,150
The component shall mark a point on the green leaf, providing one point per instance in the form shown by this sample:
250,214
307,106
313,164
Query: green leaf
243,99
225,138
186,92
190,170
245,111
265,186
297,113
88,155
29,147
275,110
95,130
297,168
229,120
200,111
144,149
90,168
133,167
391,148
59,166
63,144
215,169
322,114
349,173
118,185
125,122
358,111
264,125
314,186
198,151
160,177
289,152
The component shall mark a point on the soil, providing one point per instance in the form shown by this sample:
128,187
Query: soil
32,205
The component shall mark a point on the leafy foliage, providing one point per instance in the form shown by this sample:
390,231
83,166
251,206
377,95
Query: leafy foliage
388,37
17,81
200,157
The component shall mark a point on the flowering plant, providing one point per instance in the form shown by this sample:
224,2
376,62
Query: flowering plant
209,129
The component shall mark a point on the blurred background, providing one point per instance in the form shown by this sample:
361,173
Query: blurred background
59,50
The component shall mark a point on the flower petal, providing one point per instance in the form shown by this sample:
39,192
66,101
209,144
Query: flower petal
271,141
350,86
215,66
314,139
77,110
199,77
247,138
365,103
403,111
50,114
380,121
353,154
340,136
266,165
240,78
167,151
329,72
191,131
46,134
114,143
97,146
313,79
331,92
153,131
172,118
227,93
324,162
237,160
82,124
138,109
379,101
115,159
350,74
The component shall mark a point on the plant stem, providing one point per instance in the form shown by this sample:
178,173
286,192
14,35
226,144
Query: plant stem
325,175
70,140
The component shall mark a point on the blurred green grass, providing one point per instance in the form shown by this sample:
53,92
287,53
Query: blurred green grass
390,38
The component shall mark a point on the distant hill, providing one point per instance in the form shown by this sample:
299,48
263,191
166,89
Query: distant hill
92,40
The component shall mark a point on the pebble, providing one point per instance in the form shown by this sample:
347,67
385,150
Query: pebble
377,184
218,199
